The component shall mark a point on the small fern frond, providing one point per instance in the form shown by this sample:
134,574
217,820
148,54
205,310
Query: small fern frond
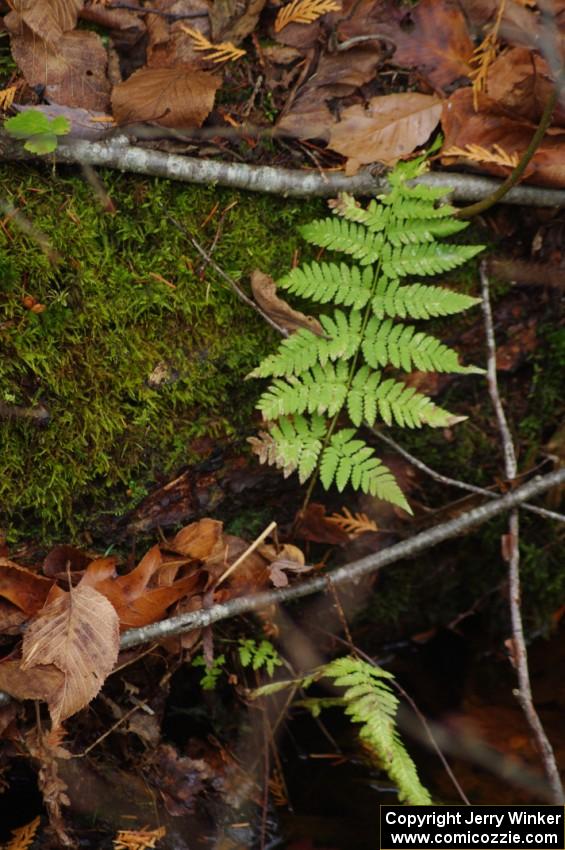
347,460
370,701
344,337
423,230
322,389
340,235
325,282
353,524
417,300
402,346
427,259
292,444
299,352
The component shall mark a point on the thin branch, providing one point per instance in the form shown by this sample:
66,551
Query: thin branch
117,152
257,542
454,482
229,280
519,650
342,575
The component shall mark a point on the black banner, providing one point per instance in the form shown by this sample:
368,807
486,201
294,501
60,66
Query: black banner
472,827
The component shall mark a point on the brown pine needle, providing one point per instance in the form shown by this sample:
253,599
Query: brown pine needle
223,52
304,12
7,97
477,153
354,524
484,55
23,837
138,839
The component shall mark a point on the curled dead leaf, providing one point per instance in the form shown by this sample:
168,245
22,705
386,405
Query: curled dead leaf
265,293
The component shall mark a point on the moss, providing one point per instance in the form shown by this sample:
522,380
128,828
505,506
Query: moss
128,294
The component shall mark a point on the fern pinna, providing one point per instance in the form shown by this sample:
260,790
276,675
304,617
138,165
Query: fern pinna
352,366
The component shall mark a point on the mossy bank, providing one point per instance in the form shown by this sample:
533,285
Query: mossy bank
140,347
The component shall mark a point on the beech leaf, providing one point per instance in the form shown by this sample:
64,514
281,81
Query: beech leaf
78,633
265,293
172,97
391,127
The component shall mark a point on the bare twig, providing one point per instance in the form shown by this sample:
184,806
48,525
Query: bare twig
454,482
257,542
519,650
349,573
117,152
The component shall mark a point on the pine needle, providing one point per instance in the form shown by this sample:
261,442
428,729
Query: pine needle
138,839
484,55
304,12
7,97
354,524
23,837
477,153
223,52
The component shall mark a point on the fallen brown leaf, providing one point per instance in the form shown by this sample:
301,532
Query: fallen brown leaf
23,588
234,20
78,634
264,291
391,127
198,539
48,19
73,71
172,97
521,82
42,682
316,526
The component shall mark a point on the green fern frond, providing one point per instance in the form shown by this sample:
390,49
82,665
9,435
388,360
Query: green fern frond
417,300
346,459
402,346
428,259
320,390
370,701
324,282
395,236
340,235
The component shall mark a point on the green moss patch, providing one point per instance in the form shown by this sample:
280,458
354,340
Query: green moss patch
140,349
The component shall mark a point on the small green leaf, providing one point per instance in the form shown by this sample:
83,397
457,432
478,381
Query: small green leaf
42,143
26,124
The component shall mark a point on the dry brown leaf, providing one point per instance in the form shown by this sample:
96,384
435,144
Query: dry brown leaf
521,82
304,12
62,558
79,634
490,126
73,71
42,682
172,97
391,127
234,19
135,601
198,539
265,294
315,525
48,19
23,588
434,38
519,25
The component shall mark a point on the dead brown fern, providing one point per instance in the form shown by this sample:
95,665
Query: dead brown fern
23,837
484,55
477,153
138,839
223,52
354,524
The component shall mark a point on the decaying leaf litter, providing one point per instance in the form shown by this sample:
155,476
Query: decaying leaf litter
332,87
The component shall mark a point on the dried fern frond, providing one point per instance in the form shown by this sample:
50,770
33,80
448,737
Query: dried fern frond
223,52
23,837
354,524
477,153
7,97
484,55
304,12
138,839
